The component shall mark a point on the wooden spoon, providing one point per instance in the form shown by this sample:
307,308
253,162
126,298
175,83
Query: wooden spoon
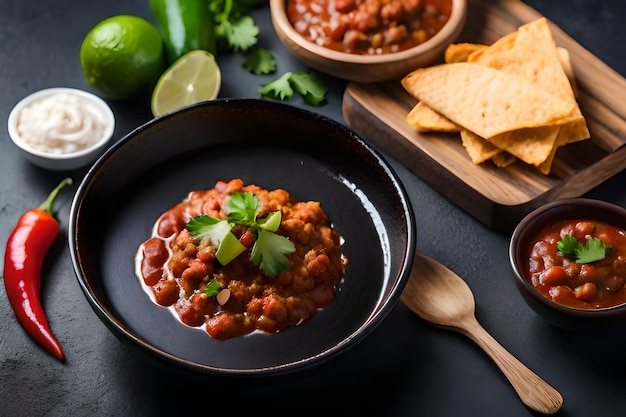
441,297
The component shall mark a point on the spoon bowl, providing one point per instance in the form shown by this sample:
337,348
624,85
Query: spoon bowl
441,297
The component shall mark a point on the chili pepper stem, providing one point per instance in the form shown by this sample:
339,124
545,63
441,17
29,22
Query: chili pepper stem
47,205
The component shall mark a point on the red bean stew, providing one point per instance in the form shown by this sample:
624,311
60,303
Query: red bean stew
593,285
175,268
368,27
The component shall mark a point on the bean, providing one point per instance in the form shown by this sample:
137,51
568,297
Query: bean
154,256
613,283
619,265
165,291
553,276
583,229
540,248
588,273
586,291
559,293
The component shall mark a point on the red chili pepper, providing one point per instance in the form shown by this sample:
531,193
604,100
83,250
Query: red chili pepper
27,246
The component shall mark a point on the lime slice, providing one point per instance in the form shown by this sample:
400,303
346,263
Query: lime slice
193,78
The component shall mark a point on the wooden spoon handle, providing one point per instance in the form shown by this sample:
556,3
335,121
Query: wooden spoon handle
532,390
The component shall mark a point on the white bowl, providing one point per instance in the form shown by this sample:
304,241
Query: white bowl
71,160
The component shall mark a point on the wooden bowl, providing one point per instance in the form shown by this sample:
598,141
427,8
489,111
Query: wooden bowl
367,68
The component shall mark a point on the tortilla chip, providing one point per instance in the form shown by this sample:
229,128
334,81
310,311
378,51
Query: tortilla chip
426,119
489,107
532,145
503,159
485,100
573,131
504,42
478,149
459,52
531,53
568,133
566,63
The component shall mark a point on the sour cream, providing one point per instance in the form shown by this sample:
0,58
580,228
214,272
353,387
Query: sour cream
61,123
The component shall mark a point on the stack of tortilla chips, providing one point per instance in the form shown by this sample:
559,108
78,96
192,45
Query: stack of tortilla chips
510,100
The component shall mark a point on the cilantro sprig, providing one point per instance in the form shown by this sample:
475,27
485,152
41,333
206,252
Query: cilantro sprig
593,250
234,28
260,61
310,87
212,288
269,250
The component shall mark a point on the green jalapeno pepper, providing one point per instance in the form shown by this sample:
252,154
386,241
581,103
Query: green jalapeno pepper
185,25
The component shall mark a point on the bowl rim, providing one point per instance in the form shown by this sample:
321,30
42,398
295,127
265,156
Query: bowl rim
107,113
524,230
280,19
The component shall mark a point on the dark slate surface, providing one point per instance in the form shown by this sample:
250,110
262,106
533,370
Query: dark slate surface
405,367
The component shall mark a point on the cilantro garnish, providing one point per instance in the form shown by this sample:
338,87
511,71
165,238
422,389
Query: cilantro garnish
242,209
212,288
269,250
260,61
241,33
206,228
309,86
279,89
313,91
232,25
594,250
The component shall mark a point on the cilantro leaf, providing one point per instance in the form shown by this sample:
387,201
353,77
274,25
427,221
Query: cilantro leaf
206,228
279,89
312,90
260,61
270,252
234,29
242,208
594,249
568,246
212,288
309,86
242,34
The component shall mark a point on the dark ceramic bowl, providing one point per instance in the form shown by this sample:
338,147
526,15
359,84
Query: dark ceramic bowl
567,209
269,144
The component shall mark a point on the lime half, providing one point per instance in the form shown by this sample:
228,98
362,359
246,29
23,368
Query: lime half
193,78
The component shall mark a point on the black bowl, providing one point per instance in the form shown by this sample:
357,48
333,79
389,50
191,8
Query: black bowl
269,144
566,209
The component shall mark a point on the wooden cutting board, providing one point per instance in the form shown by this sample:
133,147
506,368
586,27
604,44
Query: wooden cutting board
500,197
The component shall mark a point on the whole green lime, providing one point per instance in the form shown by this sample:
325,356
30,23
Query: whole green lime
122,57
